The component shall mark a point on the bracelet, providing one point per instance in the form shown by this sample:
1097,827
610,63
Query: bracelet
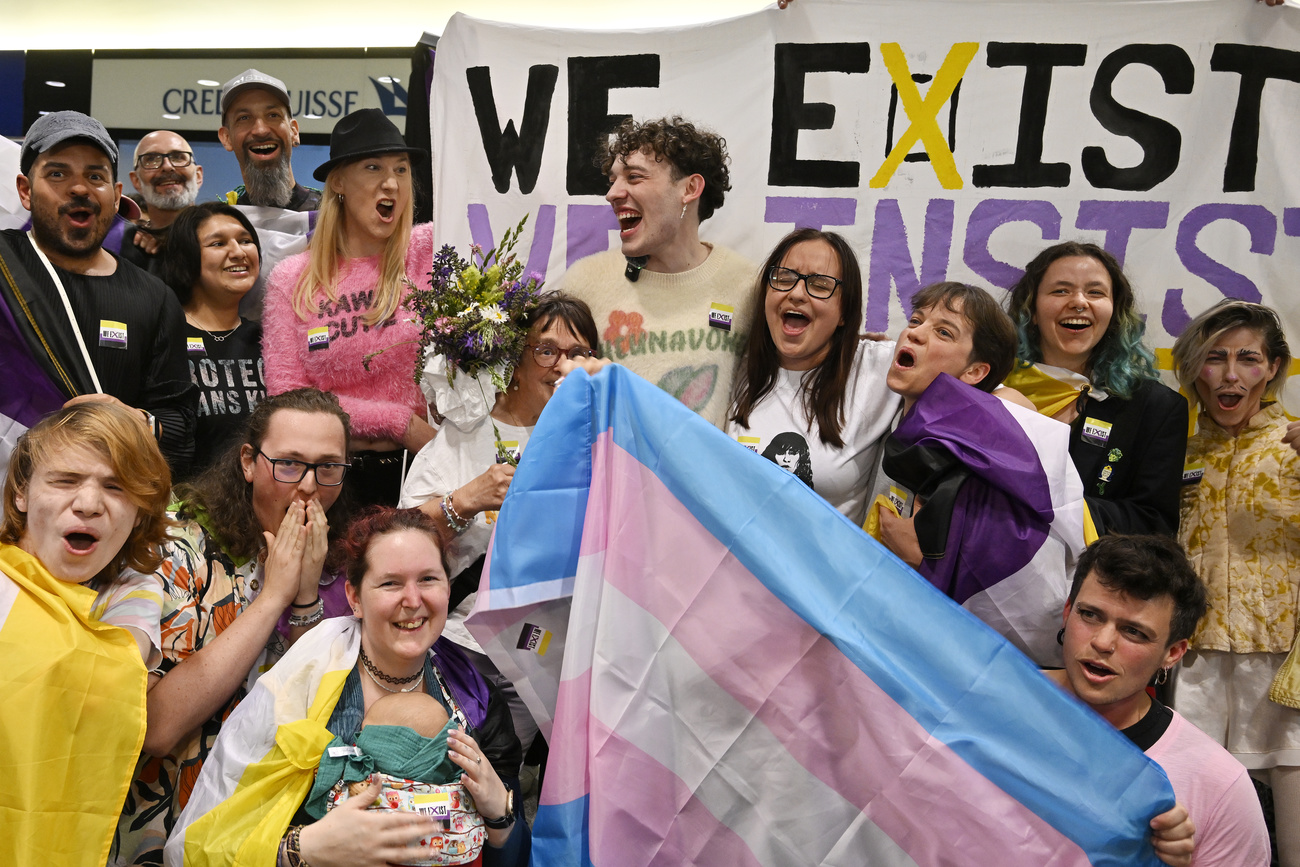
454,520
311,604
309,619
290,853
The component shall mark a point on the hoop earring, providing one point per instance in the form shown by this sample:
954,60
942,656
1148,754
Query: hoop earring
340,197
1060,637
1162,676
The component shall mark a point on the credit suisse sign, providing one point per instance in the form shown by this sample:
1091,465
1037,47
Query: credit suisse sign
185,94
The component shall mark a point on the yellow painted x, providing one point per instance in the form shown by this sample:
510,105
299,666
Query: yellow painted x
922,112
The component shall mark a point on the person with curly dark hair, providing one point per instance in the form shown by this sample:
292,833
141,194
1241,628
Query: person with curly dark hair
1082,360
668,305
249,570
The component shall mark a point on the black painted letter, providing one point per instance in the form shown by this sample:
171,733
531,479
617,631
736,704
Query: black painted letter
1256,65
590,81
505,149
1038,59
1161,142
791,114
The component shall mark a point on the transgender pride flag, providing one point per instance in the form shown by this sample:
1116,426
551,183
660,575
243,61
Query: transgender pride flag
731,673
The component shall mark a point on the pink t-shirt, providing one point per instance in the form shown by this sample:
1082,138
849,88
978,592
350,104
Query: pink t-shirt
1216,790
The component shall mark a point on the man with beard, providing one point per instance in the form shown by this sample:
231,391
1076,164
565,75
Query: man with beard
168,179
257,126
90,326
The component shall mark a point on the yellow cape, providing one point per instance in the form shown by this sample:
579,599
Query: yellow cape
72,718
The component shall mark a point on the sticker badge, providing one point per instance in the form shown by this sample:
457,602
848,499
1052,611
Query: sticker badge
534,638
1096,431
350,752
1106,472
194,346
510,448
898,497
1193,472
112,334
318,338
750,443
436,805
720,315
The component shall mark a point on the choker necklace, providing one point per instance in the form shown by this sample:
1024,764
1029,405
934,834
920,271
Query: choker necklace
419,680
378,675
217,337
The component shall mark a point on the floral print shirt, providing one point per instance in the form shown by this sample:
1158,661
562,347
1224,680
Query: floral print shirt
204,590
1242,532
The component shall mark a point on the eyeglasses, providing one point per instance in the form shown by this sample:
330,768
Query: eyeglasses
817,285
291,472
178,159
548,354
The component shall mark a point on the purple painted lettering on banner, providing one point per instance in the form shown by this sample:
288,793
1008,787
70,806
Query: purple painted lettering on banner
539,253
588,231
811,212
987,216
1259,221
891,257
1291,222
1119,219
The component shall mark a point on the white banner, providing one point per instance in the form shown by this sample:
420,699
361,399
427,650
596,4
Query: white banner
946,139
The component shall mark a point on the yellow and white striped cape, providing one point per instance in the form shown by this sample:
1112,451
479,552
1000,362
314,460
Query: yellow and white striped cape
265,758
72,718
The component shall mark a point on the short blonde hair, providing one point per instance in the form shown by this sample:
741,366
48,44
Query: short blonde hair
1193,346
117,434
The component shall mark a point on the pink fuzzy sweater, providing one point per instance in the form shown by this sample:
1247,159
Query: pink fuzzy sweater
326,350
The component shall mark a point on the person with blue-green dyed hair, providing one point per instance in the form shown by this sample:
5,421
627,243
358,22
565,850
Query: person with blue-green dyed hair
1082,361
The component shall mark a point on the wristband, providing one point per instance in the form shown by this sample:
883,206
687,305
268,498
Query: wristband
454,520
314,617
311,604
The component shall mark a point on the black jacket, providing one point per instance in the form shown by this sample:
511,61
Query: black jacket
1148,444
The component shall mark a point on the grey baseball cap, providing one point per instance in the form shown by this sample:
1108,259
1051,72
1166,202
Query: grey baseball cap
59,126
246,80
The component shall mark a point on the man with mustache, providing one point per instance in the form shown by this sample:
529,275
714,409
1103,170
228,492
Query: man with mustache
92,326
168,179
257,126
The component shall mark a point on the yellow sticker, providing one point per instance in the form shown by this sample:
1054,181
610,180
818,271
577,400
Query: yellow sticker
1193,471
750,443
898,497
112,334
194,346
720,315
1096,431
435,804
534,638
318,338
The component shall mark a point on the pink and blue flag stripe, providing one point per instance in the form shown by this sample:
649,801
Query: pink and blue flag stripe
730,672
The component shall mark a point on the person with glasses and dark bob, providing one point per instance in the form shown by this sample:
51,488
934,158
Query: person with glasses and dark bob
459,481
807,372
248,570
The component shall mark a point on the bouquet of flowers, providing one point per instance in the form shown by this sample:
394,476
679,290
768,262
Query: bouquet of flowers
471,319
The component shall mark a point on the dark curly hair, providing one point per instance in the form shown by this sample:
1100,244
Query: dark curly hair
1146,567
225,499
687,148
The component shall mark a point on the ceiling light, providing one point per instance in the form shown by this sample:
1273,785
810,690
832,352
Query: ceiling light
56,84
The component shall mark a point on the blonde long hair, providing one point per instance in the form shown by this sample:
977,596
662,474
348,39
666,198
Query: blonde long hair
326,249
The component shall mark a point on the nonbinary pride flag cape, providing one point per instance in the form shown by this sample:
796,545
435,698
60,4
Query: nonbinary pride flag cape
72,719
730,672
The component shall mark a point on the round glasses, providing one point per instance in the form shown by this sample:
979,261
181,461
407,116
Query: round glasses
291,472
549,355
820,286
178,159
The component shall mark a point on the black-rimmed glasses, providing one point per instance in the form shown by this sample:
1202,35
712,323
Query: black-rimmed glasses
548,354
291,472
820,286
178,159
